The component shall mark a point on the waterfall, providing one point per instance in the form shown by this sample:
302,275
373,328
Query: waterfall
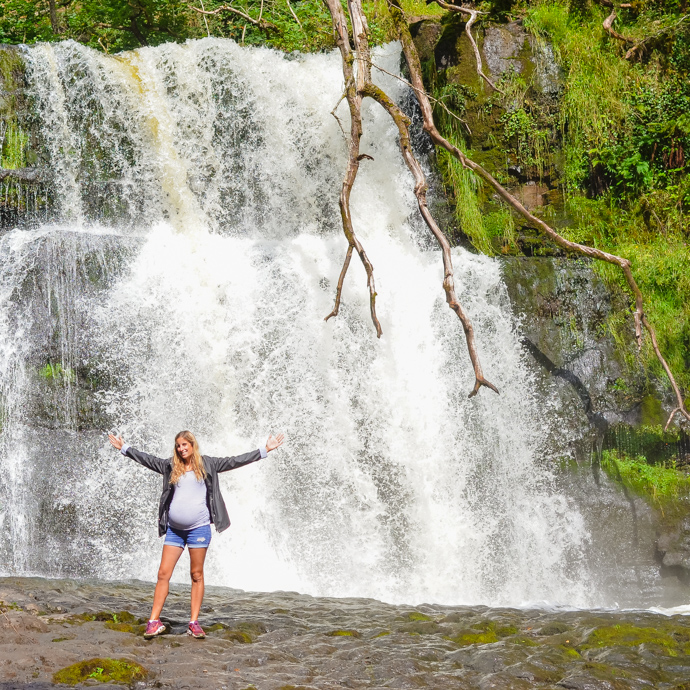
185,285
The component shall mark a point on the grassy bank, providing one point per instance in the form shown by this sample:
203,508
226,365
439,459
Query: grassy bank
626,130
661,485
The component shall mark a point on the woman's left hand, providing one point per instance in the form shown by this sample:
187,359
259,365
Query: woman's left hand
115,441
274,442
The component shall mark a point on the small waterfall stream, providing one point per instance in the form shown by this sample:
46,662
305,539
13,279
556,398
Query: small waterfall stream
184,286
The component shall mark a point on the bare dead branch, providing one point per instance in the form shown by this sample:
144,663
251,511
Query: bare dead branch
414,65
420,189
431,98
340,124
353,81
608,27
208,33
262,23
468,30
358,84
638,46
292,12
339,289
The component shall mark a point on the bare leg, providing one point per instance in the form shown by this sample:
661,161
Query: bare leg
196,569
171,554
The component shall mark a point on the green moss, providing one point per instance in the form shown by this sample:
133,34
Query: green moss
344,633
672,641
61,639
382,634
420,627
244,633
568,652
554,628
523,640
126,627
103,670
468,638
659,484
215,627
14,145
57,373
238,636
417,616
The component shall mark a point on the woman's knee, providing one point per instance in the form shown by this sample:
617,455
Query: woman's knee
197,574
164,575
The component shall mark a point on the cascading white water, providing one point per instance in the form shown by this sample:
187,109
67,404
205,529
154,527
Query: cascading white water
186,286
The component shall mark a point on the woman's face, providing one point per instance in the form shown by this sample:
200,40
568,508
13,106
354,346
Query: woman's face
184,448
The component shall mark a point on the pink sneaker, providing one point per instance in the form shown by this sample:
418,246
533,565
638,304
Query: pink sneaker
153,629
195,630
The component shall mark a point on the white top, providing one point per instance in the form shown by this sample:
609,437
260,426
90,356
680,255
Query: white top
188,509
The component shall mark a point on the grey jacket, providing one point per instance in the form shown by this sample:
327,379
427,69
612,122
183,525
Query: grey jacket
214,500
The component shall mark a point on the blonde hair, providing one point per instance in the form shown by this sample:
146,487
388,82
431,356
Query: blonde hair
178,466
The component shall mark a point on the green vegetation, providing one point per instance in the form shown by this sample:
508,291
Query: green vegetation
103,670
659,484
673,640
115,25
613,147
244,633
487,632
344,633
56,373
14,141
625,133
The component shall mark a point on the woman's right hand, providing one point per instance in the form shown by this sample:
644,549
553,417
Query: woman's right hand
115,441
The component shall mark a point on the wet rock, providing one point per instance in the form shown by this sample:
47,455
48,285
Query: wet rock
673,548
74,629
564,307
426,34
583,683
502,47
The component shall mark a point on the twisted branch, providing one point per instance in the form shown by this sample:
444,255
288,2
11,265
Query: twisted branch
414,65
261,23
292,12
364,87
608,27
354,81
468,30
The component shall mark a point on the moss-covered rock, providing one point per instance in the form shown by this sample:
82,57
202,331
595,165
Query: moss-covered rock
344,633
120,671
672,639
244,633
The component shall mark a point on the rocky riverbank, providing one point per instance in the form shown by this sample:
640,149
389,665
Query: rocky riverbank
284,640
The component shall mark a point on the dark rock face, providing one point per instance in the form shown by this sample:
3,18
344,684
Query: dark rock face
600,397
673,549
563,308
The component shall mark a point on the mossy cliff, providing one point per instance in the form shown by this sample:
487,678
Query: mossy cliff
24,196
593,143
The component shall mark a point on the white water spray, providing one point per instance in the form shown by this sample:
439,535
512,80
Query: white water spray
201,244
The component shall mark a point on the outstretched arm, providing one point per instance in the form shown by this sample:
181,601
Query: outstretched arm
225,464
151,462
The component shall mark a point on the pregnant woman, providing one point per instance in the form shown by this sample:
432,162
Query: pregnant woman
190,502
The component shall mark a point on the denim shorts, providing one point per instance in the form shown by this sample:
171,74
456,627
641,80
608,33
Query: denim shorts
197,538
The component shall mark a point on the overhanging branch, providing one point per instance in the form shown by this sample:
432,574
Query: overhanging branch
414,65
